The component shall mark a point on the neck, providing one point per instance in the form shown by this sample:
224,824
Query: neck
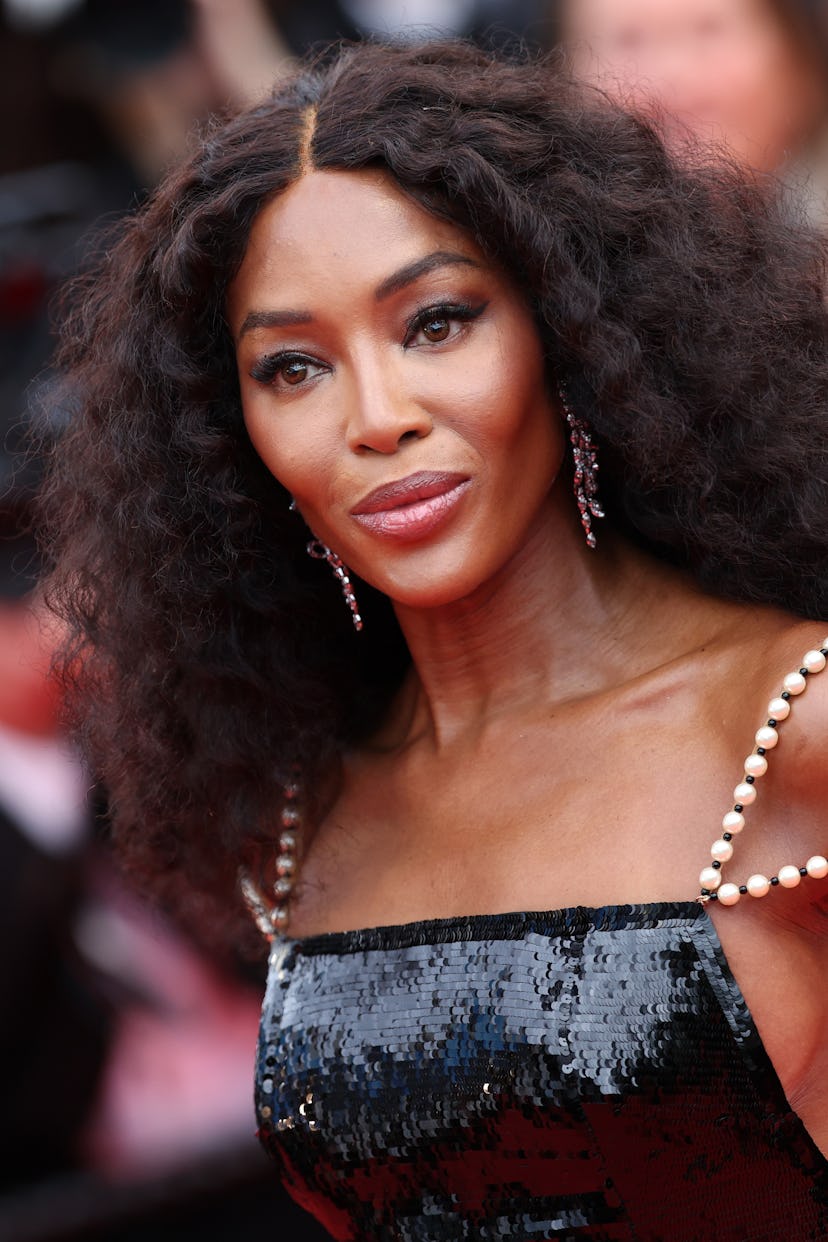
559,621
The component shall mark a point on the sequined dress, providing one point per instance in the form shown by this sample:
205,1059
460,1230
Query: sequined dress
577,1074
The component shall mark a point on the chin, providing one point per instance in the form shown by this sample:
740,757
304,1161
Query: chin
433,589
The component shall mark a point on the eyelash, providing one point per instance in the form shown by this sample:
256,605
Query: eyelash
461,312
267,369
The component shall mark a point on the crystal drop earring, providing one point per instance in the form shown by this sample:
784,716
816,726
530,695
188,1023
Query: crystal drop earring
585,458
321,552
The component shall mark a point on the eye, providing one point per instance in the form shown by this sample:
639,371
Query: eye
436,329
285,369
436,324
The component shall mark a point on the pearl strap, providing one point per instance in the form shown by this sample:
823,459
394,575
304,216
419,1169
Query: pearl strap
756,765
273,920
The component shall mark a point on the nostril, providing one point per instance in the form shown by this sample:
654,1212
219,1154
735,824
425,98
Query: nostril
408,435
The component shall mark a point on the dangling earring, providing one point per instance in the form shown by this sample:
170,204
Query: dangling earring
585,481
321,552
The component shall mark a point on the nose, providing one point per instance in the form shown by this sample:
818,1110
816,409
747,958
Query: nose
382,414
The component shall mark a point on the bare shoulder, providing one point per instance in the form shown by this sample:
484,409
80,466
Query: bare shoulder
791,808
800,653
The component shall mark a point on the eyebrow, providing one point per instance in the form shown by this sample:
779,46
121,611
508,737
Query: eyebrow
392,284
273,319
412,271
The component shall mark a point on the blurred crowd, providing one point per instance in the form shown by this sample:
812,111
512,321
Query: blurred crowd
126,1072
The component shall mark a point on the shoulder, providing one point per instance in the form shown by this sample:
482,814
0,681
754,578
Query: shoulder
793,794
800,654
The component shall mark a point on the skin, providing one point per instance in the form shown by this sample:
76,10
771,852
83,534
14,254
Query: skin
574,721
717,70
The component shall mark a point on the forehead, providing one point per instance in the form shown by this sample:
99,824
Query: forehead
340,227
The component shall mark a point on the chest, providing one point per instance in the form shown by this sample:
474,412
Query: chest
561,813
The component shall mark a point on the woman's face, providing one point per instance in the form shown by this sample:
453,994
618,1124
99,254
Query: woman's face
392,379
720,70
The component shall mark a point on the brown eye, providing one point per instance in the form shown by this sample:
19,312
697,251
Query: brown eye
286,370
295,371
443,322
436,329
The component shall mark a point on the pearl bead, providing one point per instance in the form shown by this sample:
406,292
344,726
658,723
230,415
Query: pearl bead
721,851
734,821
756,765
744,794
767,737
729,894
814,661
710,877
283,887
287,842
789,876
779,709
285,864
758,885
794,683
817,867
290,816
279,918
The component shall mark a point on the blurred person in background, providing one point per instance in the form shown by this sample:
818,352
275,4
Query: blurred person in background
489,22
55,1028
751,75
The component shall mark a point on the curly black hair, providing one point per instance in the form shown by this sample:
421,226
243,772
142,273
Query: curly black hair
209,657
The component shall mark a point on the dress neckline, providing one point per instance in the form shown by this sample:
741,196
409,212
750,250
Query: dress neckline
506,925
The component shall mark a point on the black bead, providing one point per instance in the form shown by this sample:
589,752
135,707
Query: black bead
705,892
824,651
786,694
749,780
772,723
760,750
804,672
743,889
716,864
727,836
774,880
738,807
803,870
714,896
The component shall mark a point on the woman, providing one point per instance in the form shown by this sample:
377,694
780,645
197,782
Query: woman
393,317
749,74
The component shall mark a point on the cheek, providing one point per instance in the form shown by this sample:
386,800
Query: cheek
291,448
269,446
510,403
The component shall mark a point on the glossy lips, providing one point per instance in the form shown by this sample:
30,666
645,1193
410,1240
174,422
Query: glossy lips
413,507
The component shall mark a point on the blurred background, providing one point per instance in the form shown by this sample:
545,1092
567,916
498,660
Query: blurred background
127,1049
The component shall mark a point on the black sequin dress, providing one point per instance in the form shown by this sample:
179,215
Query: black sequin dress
580,1074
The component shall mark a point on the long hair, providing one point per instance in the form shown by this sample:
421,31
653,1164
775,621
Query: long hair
210,658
